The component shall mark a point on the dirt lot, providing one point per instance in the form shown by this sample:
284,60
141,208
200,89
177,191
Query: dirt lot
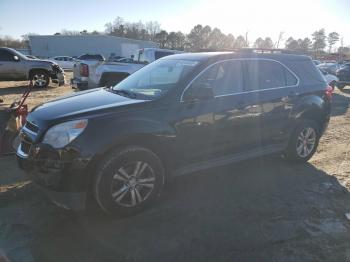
258,210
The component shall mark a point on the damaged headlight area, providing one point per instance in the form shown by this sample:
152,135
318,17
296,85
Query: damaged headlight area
61,135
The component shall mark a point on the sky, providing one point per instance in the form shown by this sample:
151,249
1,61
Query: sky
260,18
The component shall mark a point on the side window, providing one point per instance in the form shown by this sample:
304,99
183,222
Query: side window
263,74
290,79
6,56
225,78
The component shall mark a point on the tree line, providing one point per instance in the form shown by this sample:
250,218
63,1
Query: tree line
203,38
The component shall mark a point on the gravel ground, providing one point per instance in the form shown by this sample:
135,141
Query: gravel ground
258,210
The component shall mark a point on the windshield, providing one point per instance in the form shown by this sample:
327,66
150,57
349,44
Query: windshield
156,79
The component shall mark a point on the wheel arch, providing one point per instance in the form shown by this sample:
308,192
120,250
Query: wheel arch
312,108
148,141
32,70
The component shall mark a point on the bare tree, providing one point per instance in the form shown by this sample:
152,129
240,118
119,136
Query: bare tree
332,39
280,39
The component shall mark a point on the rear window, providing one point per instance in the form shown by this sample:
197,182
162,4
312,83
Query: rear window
306,71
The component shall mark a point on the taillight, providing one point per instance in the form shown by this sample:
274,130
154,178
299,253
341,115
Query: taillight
329,92
84,69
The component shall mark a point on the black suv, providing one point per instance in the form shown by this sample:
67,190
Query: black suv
344,76
180,114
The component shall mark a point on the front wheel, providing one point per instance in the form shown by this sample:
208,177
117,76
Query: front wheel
303,142
128,180
40,78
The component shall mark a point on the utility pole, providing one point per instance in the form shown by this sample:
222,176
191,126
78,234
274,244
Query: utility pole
341,49
246,39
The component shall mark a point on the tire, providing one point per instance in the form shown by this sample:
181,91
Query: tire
296,151
40,78
122,191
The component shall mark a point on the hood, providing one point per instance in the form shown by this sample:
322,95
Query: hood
94,101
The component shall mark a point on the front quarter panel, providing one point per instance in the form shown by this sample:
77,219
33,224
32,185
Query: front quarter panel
113,130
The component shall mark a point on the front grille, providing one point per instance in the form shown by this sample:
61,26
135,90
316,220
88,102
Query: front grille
30,126
25,146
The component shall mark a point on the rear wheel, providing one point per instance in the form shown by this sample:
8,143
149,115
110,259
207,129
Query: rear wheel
303,142
40,78
128,181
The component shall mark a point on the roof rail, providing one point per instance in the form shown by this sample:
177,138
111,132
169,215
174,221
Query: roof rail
254,50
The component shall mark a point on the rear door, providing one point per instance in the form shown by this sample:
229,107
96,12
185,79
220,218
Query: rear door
273,88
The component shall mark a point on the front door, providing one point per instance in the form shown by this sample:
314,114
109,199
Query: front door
221,125
10,68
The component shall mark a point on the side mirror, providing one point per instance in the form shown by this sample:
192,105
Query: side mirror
201,91
16,58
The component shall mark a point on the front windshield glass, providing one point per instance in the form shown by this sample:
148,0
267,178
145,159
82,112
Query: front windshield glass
156,79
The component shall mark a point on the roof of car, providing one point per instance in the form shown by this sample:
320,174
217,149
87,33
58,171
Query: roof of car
202,56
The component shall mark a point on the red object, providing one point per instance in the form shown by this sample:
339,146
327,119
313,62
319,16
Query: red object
329,92
84,70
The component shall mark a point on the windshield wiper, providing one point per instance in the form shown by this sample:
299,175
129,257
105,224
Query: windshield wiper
122,92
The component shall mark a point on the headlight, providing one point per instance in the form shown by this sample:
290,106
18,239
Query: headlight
61,135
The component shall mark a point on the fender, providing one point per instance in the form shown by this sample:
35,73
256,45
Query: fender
151,133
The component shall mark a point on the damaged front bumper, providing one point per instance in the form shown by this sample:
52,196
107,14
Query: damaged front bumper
61,174
57,75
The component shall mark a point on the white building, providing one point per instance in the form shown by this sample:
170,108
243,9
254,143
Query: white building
45,46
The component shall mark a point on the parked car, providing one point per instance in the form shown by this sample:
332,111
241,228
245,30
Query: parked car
92,74
125,60
15,66
175,116
332,80
65,62
344,76
113,57
316,62
91,57
330,68
31,57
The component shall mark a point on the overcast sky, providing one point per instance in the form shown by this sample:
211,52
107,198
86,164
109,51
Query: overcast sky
297,18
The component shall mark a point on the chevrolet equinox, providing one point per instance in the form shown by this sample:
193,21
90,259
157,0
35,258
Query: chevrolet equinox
183,113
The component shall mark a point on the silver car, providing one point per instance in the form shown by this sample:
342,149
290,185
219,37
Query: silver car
15,66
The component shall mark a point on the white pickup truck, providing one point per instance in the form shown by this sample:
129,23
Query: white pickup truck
92,74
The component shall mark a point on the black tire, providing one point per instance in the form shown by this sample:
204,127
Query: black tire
40,78
111,180
292,153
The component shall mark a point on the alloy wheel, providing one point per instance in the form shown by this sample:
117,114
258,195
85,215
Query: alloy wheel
39,80
306,142
133,183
